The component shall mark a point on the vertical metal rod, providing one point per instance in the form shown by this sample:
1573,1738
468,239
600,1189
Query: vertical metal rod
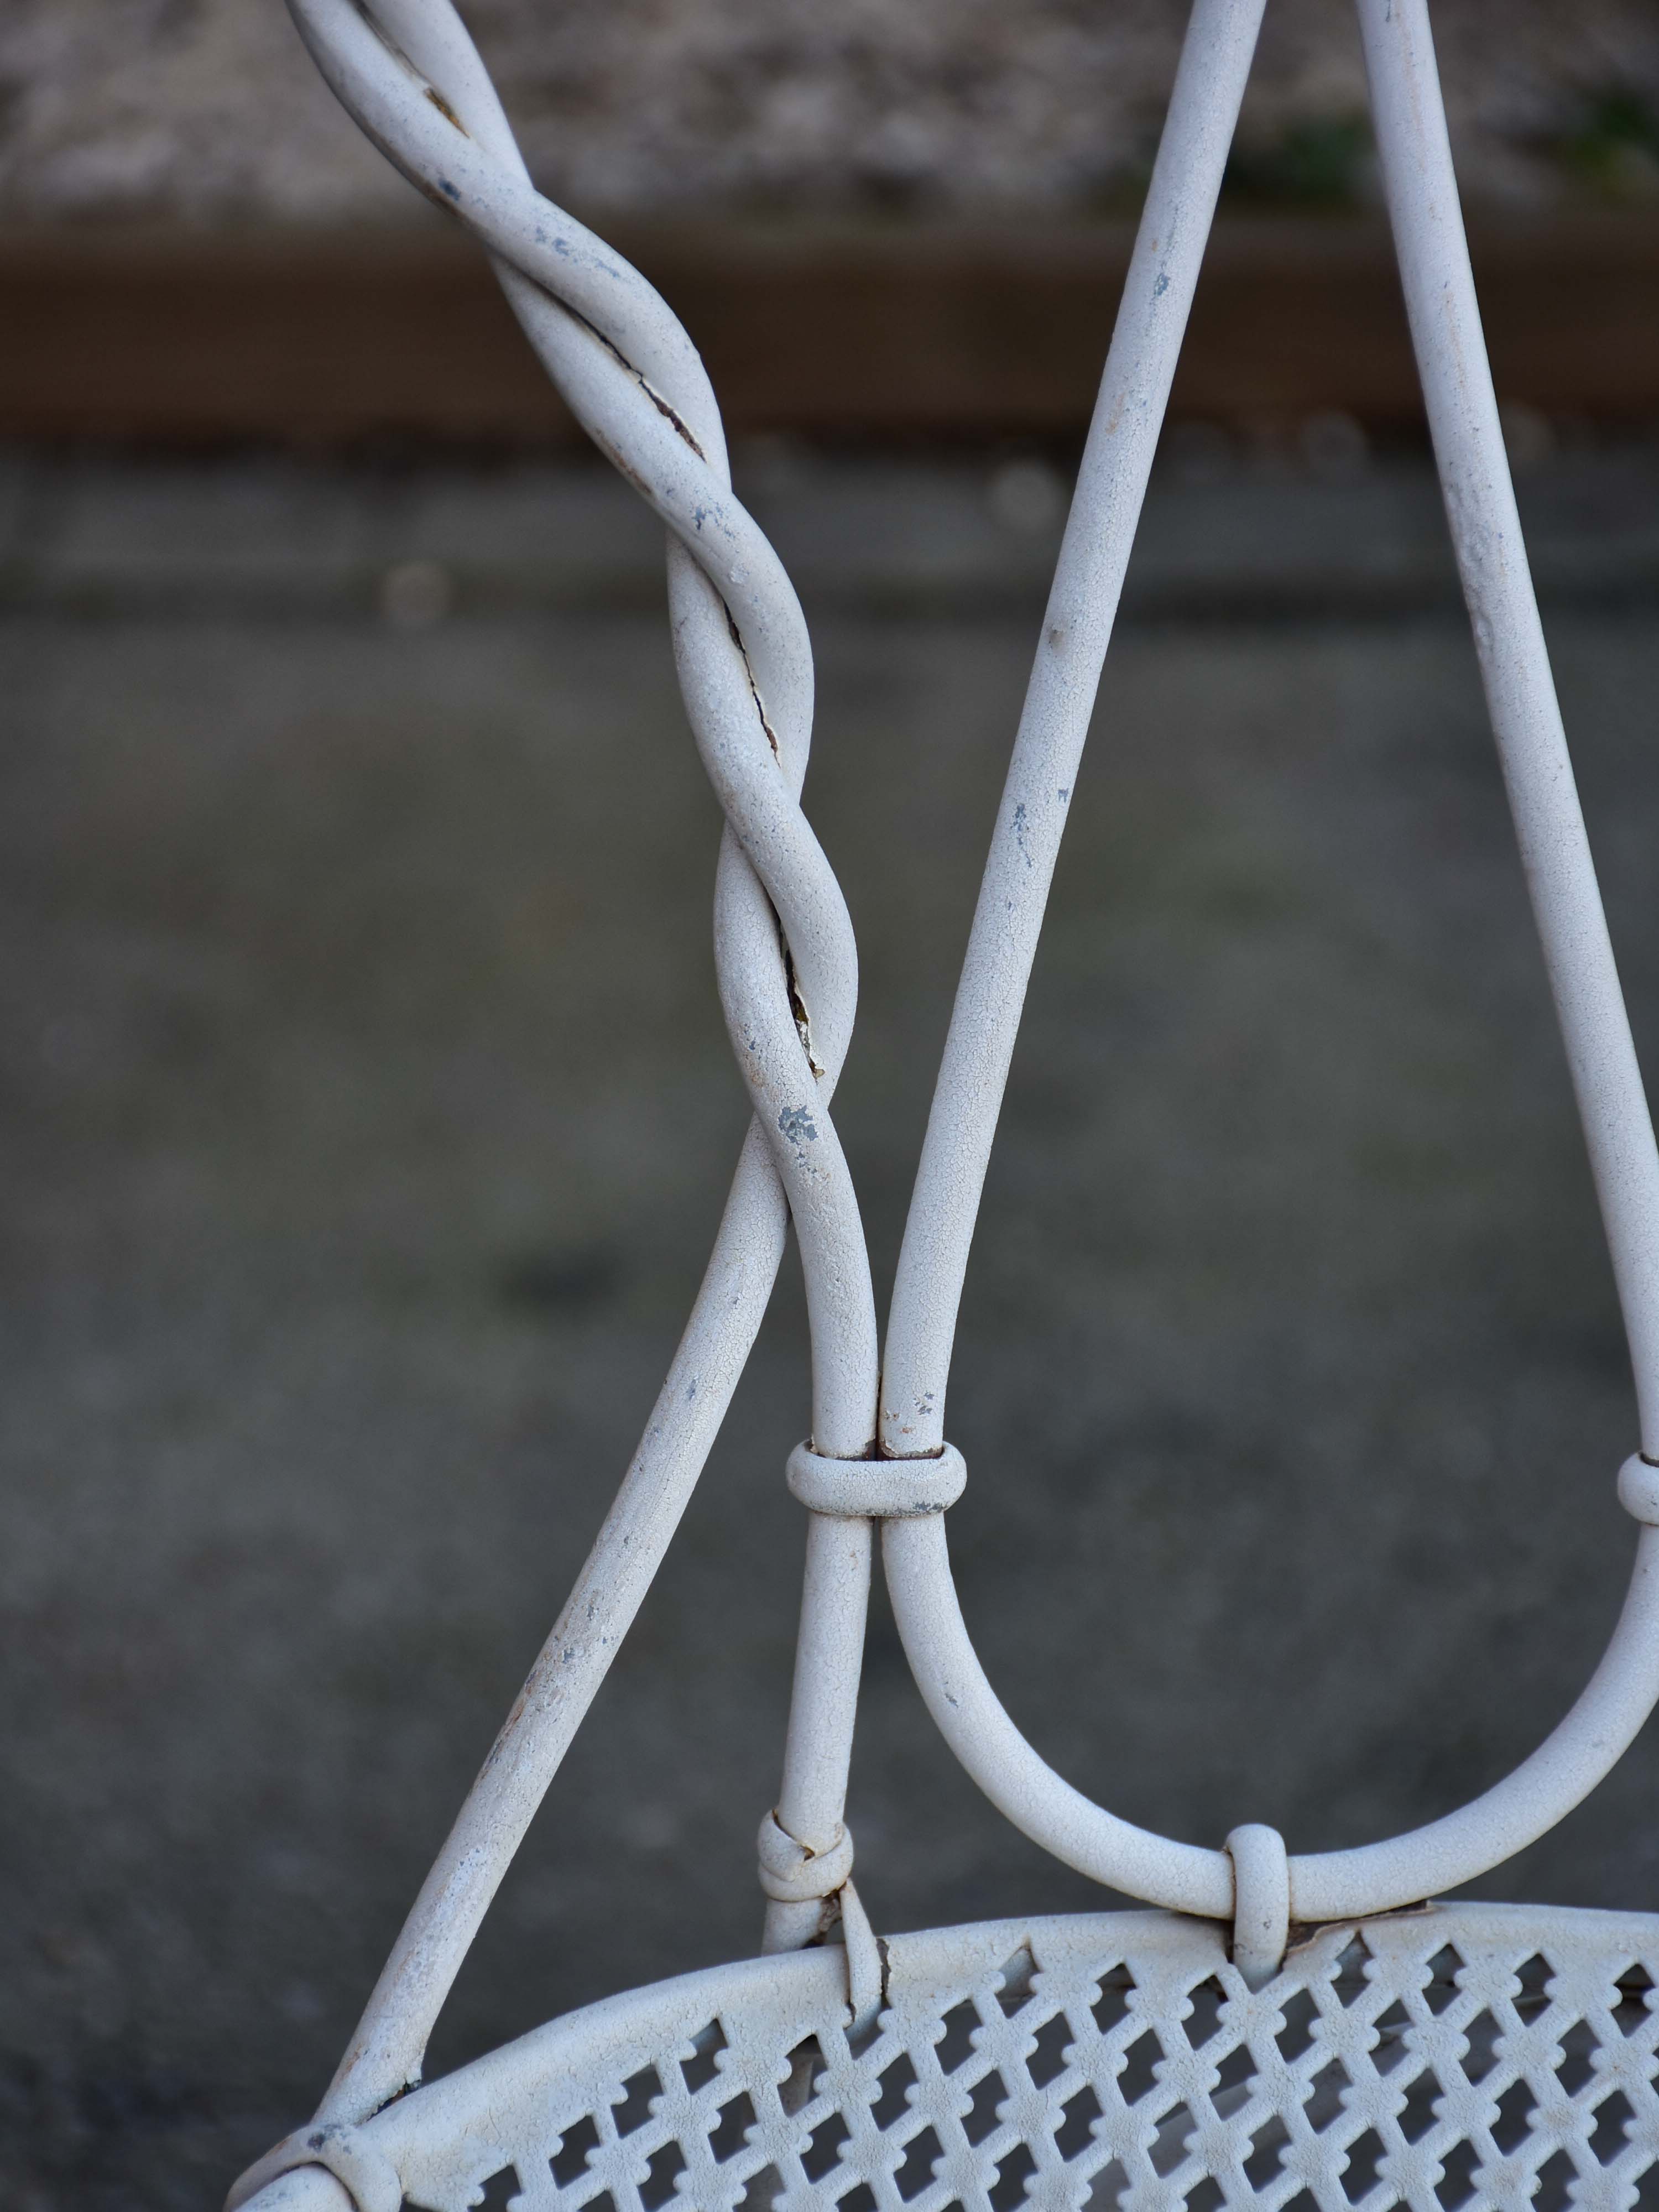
823,1705
1508,639
1117,460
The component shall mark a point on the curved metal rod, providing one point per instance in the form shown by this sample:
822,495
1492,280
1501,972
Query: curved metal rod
1018,1782
1526,720
410,75
387,2046
1324,1886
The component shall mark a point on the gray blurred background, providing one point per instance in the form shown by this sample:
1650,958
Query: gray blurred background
368,1111
207,110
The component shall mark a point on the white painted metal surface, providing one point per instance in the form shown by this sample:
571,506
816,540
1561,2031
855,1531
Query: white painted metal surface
1427,2040
1115,2060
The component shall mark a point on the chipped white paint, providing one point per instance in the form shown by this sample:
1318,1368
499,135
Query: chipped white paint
770,2082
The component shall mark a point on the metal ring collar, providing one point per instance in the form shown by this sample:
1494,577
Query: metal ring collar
792,1874
876,1489
369,2177
1261,1901
1638,1490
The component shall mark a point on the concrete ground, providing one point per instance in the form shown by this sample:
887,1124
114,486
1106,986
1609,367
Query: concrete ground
368,1114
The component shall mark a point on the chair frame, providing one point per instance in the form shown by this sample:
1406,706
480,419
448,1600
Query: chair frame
877,1456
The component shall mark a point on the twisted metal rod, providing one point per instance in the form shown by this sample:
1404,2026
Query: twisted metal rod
408,73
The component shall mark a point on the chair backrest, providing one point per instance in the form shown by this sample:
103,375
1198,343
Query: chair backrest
878,1456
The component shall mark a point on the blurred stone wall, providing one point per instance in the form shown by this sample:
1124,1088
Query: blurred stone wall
208,111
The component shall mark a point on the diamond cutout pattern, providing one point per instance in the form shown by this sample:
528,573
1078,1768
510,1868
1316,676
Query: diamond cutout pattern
1431,2062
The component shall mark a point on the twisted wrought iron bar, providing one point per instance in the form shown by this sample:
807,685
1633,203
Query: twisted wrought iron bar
408,73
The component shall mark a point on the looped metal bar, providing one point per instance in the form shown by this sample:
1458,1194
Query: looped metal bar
1370,1878
1261,1901
1415,160
876,1489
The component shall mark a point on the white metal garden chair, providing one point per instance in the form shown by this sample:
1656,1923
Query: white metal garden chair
1305,2032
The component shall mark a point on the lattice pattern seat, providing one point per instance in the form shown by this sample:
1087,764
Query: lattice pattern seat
1194,2058
1474,2055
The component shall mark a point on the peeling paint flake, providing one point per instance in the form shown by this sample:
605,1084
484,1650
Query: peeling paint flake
797,1125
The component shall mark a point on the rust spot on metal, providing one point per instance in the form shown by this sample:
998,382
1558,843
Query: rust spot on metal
446,111
797,1004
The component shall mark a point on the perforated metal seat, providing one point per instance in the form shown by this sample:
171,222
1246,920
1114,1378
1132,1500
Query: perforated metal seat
1493,2053
1297,2032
